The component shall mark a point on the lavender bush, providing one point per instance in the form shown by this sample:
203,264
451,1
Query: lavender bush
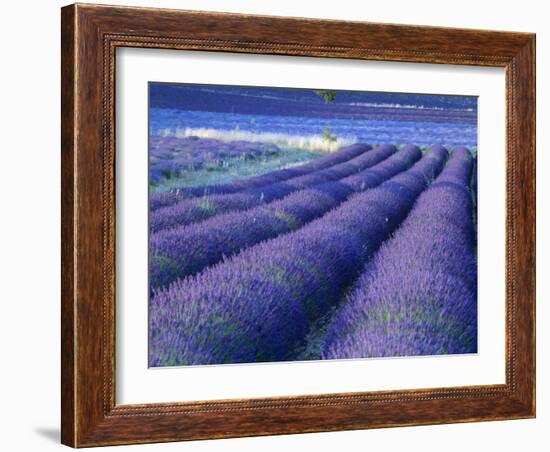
193,210
163,199
186,250
169,156
417,296
258,304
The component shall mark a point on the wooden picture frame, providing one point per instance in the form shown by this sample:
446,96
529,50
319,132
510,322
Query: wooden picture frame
90,36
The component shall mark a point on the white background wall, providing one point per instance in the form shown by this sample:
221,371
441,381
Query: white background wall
29,238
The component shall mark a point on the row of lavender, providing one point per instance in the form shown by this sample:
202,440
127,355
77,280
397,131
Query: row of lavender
185,250
417,296
163,199
172,155
189,211
259,304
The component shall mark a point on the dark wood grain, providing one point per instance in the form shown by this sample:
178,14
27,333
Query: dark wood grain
68,388
90,36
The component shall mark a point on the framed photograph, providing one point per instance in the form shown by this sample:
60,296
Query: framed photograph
282,225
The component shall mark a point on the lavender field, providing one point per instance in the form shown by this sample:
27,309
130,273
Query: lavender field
294,224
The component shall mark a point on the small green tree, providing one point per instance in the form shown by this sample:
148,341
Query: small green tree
328,96
328,137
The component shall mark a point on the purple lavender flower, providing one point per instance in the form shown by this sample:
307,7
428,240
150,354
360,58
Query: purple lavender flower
193,210
163,199
175,155
418,294
182,251
258,304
